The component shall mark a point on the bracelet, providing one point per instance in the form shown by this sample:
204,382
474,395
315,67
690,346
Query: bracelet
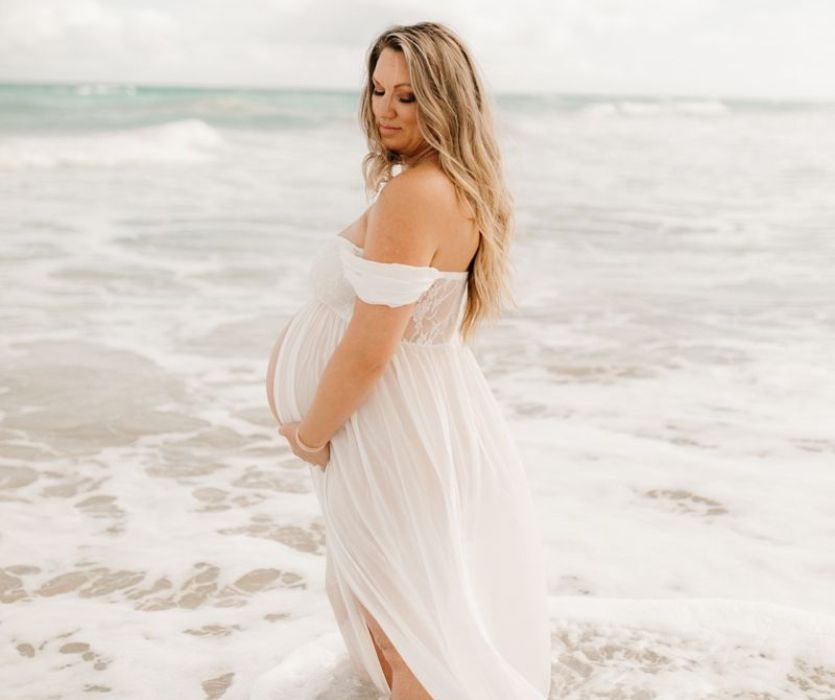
307,448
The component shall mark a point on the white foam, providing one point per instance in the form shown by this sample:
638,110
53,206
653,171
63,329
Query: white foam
304,673
182,141
657,108
89,89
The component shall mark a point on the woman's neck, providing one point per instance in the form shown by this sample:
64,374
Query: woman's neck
426,155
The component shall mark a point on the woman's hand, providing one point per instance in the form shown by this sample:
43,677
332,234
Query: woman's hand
320,458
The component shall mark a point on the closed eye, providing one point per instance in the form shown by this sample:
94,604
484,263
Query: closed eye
410,98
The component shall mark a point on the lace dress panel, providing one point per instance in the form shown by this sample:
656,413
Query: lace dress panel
438,312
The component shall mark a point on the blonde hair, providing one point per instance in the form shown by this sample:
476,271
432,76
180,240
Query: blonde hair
456,121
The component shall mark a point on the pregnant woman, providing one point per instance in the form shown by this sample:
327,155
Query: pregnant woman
435,567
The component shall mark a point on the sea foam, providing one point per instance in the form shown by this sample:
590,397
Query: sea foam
182,141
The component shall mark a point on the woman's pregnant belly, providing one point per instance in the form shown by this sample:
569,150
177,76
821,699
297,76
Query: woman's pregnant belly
298,359
271,370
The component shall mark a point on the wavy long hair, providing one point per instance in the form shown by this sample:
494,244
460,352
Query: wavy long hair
455,119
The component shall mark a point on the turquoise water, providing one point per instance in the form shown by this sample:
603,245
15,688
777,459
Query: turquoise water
101,106
91,107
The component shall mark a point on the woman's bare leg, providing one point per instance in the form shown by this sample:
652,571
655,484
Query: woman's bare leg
382,659
407,687
401,680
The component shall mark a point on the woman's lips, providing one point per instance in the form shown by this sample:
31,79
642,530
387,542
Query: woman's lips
388,129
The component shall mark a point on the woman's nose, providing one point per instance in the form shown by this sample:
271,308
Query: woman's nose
388,105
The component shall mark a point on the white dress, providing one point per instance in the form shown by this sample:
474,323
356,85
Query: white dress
429,519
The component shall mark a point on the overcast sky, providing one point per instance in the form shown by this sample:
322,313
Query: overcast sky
746,48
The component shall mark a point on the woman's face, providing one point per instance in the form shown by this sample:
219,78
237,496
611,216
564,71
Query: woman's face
393,104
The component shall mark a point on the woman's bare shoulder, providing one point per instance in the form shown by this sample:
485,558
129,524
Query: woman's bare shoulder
402,224
418,211
425,191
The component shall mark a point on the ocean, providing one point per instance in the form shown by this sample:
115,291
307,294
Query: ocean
668,369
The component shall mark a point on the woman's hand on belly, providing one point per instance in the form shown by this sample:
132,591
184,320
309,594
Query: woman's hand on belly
271,371
320,458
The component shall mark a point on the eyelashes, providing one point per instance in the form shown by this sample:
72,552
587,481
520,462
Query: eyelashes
405,100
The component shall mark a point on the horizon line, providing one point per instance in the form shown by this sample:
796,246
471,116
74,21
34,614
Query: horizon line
819,100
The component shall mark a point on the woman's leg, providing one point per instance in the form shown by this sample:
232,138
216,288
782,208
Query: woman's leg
401,680
382,659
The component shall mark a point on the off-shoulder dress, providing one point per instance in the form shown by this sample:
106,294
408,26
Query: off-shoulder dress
429,518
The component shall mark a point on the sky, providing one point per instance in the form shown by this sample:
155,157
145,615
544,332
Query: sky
783,49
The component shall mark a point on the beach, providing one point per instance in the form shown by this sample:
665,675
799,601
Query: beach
668,372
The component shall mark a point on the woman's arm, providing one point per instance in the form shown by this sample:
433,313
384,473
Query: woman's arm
402,227
360,358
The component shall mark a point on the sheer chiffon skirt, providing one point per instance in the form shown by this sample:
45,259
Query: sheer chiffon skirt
430,523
